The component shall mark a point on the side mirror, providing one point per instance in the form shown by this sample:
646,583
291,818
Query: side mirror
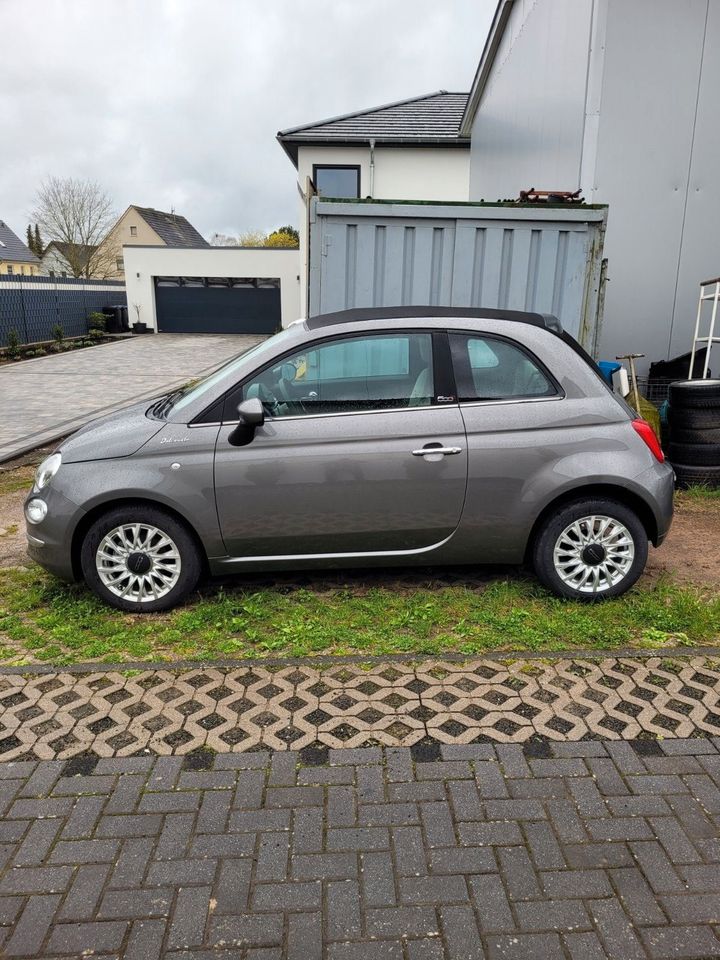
251,415
251,412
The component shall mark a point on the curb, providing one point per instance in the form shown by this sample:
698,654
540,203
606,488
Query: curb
502,656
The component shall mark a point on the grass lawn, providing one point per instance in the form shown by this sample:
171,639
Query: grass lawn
43,620
361,612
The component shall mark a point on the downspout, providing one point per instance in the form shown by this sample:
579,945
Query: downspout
372,169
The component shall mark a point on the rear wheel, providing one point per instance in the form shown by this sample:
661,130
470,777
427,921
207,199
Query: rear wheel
590,550
140,559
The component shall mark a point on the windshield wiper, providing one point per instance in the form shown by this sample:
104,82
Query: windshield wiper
164,404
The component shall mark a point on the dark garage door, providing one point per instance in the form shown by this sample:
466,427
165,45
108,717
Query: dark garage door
217,305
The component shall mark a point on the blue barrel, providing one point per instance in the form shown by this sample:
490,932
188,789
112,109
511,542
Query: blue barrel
607,369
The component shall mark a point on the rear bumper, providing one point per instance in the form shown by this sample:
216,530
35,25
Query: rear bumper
659,482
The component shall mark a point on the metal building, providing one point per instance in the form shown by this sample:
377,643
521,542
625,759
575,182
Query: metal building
621,99
518,257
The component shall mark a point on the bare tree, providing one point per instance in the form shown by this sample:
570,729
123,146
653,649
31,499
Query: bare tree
78,214
223,240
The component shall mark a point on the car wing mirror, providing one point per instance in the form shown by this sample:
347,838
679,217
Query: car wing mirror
251,415
251,412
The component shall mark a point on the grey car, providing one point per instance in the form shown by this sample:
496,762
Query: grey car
364,438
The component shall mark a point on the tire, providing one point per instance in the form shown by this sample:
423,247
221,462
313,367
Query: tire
695,394
694,454
163,541
560,569
693,419
703,437
689,475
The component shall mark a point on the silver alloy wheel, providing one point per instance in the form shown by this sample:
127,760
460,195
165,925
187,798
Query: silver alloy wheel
594,553
138,561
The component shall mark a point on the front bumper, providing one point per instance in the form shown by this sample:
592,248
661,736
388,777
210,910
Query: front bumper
49,543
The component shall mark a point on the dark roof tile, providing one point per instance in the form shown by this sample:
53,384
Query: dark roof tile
432,118
175,230
12,248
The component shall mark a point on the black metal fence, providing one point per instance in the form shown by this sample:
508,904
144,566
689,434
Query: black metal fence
32,306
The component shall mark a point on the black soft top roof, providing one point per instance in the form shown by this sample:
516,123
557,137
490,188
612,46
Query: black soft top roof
546,320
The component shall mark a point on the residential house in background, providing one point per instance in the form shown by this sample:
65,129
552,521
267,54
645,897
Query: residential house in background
55,263
406,150
145,226
15,256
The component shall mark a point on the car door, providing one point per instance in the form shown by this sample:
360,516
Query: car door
507,400
360,452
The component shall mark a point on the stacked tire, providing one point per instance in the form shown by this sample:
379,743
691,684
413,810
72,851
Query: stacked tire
694,431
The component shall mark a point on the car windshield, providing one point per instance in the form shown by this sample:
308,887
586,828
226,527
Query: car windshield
195,389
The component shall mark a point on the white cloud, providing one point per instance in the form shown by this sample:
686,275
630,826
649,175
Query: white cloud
177,102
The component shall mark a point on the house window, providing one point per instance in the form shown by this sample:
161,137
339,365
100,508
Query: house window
64,273
336,180
133,231
119,265
10,268
52,273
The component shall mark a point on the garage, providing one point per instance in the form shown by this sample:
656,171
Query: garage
217,304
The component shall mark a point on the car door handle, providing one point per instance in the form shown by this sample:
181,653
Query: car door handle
431,449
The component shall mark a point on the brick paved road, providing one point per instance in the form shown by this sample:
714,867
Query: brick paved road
579,851
49,397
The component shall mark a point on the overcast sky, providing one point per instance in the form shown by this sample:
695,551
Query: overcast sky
176,103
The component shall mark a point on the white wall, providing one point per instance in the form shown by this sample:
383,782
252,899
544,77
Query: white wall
142,264
528,130
656,166
401,173
53,260
619,97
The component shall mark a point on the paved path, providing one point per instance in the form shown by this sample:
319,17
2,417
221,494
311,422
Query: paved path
299,705
570,851
48,397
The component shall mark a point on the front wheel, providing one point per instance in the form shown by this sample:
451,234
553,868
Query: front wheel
590,550
140,559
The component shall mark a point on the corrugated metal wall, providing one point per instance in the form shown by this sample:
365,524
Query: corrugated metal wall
371,253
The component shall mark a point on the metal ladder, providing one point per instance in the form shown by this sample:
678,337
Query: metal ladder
710,339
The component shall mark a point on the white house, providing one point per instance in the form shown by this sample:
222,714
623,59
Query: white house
407,150
618,98
54,261
206,289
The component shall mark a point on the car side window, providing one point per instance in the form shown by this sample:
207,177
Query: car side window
489,368
346,375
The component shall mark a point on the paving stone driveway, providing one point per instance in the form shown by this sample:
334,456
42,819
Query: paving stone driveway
114,712
574,851
45,398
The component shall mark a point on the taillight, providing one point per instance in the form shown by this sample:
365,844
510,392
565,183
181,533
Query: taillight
643,428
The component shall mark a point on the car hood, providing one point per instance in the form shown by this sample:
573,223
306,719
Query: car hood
117,435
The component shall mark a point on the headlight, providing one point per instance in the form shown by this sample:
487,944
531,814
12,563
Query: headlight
47,470
35,510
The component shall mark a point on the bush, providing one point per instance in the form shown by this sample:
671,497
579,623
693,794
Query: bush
97,321
95,333
13,345
58,333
